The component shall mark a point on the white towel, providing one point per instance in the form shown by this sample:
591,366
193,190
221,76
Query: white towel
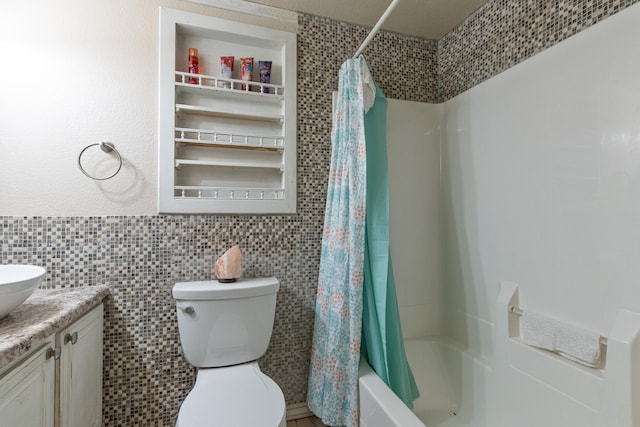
573,343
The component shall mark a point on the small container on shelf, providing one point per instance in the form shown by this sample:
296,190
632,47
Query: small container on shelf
226,70
193,64
246,71
265,74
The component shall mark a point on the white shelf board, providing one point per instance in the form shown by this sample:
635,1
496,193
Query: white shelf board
239,189
232,145
229,163
214,112
189,88
218,138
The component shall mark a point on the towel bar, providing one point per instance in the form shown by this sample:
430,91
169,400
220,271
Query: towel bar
107,147
518,312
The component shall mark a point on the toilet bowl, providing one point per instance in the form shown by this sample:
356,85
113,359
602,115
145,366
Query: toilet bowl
224,328
235,396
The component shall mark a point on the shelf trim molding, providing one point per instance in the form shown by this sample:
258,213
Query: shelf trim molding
228,139
236,194
277,95
255,9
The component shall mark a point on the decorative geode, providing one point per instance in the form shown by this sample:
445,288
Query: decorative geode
228,267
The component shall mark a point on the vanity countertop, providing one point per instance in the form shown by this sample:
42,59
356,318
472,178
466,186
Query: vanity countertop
44,313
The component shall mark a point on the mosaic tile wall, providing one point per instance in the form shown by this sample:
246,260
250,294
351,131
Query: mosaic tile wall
503,33
140,258
404,67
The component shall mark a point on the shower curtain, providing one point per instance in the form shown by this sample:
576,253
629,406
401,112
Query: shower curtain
350,261
382,342
335,350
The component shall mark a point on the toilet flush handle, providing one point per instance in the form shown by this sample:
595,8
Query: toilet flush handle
188,309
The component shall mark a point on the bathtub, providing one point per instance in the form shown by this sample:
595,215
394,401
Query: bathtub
452,384
522,386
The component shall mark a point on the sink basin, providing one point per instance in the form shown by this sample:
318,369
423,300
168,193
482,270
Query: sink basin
17,283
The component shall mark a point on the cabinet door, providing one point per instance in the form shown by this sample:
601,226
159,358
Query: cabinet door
81,371
27,391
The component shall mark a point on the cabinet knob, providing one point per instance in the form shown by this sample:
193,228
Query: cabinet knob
53,352
72,338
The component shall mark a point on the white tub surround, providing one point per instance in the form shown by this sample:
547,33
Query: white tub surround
461,389
588,396
538,185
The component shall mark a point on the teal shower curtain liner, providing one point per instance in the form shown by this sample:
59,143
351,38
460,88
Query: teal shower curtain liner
382,344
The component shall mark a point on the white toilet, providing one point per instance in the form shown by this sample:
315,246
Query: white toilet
224,328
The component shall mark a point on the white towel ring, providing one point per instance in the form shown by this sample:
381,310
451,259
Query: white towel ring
107,147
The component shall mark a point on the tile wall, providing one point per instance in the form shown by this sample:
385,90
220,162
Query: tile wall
503,33
140,258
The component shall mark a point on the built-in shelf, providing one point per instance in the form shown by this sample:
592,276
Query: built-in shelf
226,145
228,163
215,85
229,139
233,193
229,114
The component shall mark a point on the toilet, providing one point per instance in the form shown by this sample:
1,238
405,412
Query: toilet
224,328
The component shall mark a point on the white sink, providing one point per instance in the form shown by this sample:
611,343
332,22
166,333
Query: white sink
17,283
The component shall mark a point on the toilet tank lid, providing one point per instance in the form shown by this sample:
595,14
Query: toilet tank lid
214,290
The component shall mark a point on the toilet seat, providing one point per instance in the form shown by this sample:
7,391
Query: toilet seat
238,396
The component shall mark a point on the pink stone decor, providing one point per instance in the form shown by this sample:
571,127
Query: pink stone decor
229,266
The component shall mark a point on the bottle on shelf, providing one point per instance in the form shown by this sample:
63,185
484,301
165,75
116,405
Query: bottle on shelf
226,69
193,64
265,74
246,71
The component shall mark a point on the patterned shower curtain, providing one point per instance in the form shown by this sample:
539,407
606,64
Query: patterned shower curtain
335,352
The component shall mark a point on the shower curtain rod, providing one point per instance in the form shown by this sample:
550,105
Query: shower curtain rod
376,28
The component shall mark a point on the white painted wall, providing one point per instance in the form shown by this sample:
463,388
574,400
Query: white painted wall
413,149
74,73
541,185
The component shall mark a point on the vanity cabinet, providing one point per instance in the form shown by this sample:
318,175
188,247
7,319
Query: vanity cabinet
59,384
27,391
226,145
80,373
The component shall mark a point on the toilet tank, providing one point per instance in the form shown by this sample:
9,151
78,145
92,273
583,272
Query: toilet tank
224,324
